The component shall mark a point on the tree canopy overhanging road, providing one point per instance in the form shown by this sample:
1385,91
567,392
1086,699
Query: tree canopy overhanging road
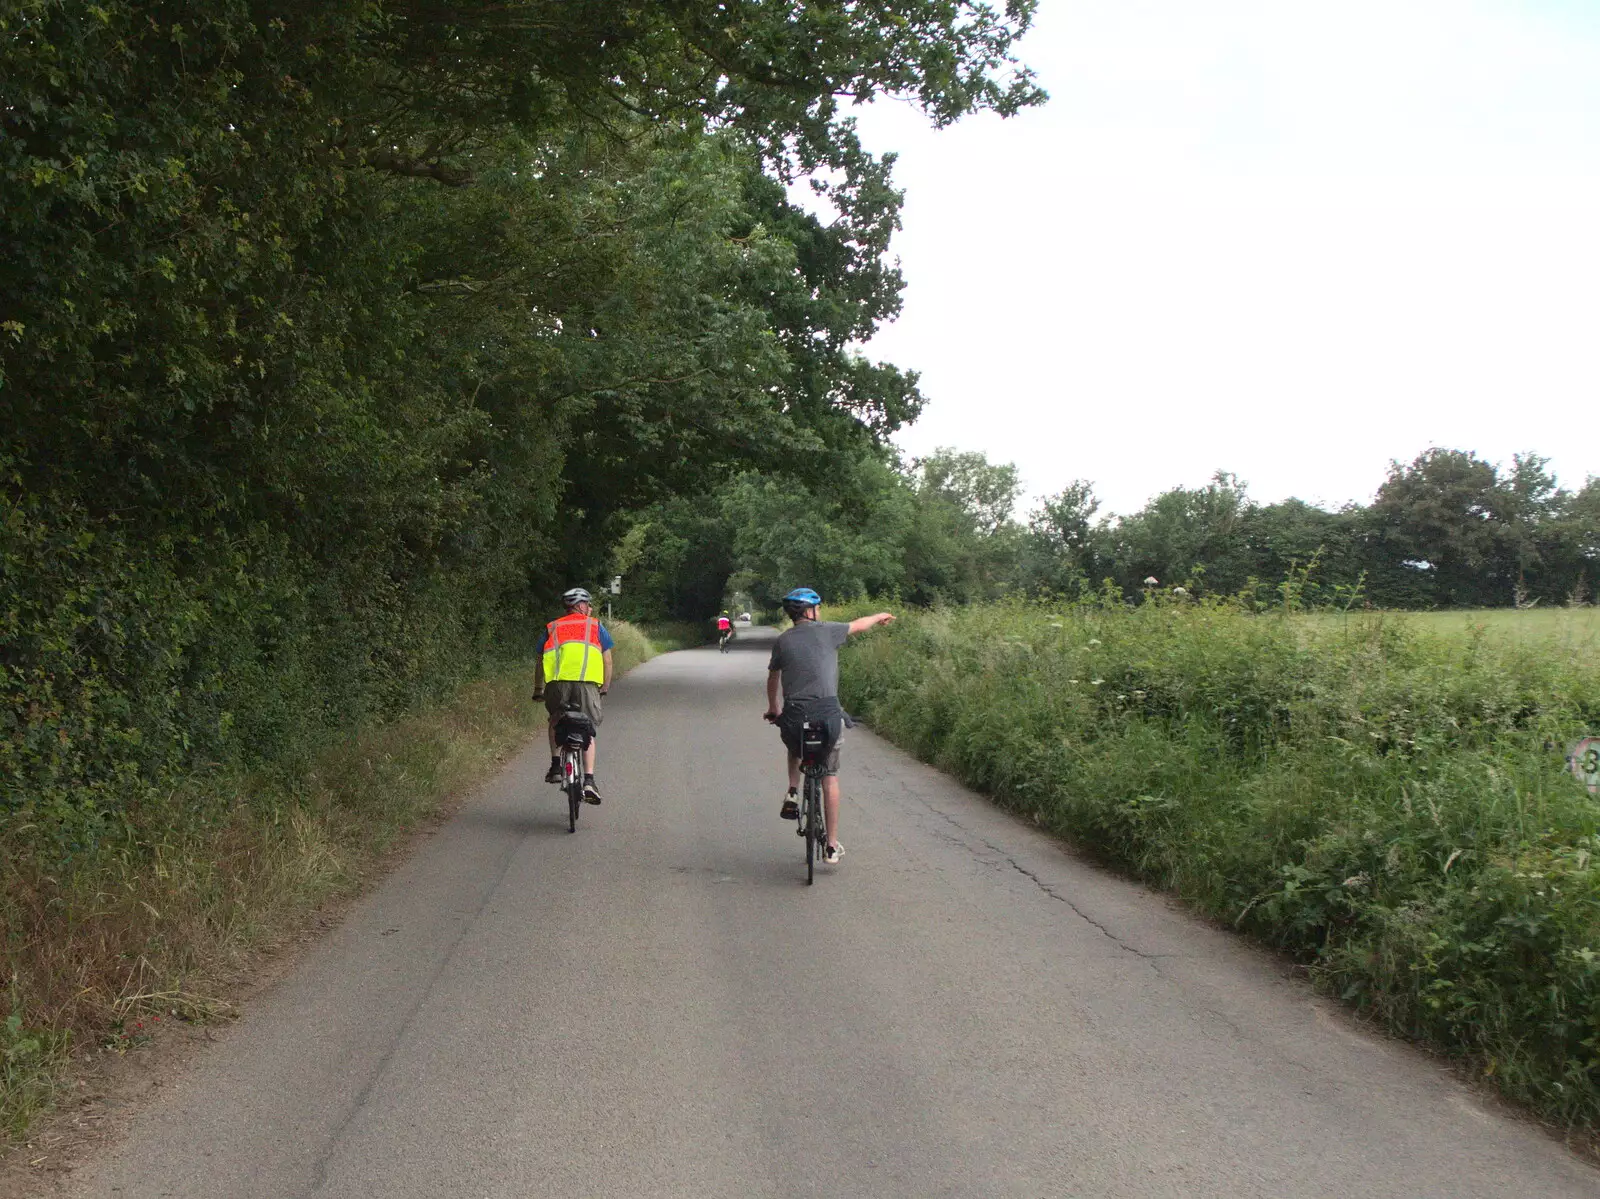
657,1006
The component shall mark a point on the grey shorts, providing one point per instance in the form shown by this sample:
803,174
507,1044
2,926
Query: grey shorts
559,694
789,726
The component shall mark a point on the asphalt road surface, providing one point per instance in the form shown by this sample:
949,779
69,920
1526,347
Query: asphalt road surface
658,1006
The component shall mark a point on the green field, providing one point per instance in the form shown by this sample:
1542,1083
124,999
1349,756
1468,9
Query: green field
1574,626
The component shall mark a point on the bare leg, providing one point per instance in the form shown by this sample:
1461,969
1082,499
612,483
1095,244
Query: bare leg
830,807
794,773
588,758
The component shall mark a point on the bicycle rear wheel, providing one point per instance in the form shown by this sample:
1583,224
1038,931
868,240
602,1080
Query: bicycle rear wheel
574,775
814,833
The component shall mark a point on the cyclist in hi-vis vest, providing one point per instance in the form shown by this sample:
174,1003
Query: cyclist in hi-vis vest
573,669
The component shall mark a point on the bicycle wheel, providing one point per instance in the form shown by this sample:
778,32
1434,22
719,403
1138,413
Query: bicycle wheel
813,825
574,774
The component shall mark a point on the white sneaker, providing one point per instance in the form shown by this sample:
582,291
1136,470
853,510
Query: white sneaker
833,853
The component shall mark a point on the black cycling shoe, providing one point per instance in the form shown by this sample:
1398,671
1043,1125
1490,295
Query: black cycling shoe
553,775
790,809
591,793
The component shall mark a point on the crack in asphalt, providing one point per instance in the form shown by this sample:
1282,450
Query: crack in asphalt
320,1167
1077,911
1003,856
1153,960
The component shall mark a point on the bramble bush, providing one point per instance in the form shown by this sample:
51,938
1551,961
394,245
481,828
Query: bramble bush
1385,801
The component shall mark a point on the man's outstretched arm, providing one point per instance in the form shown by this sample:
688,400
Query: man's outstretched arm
862,623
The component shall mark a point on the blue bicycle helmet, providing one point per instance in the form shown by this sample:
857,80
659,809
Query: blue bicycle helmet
799,600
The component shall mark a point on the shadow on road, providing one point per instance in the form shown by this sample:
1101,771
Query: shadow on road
539,819
748,642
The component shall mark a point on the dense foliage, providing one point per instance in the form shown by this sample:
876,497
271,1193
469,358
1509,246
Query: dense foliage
334,339
1447,530
1386,802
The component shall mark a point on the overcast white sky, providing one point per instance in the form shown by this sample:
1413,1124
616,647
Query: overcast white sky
1285,239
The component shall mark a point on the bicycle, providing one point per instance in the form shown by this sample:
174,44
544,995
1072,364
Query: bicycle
814,745
813,765
725,640
574,733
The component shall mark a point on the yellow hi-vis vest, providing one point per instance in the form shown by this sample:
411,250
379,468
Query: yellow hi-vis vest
572,650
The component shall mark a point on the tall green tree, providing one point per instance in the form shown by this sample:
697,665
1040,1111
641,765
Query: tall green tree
1061,554
1184,529
1445,518
334,338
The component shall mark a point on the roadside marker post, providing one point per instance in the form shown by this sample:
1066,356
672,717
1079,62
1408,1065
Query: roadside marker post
1584,761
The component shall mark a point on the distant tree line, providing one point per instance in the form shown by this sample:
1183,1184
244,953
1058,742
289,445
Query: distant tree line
1445,530
337,338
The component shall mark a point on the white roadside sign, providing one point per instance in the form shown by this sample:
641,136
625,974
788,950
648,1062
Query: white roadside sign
1585,762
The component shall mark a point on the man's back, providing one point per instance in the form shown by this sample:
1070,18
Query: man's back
808,657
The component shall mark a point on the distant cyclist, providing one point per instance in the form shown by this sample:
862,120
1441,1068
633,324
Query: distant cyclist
573,669
724,630
804,669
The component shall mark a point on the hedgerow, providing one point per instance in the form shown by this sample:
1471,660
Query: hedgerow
154,917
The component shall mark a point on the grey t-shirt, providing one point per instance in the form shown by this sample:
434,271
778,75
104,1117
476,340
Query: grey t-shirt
808,656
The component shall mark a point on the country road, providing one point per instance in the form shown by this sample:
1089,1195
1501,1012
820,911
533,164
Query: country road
657,1006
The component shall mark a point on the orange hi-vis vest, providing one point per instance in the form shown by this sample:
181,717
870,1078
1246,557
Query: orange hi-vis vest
572,650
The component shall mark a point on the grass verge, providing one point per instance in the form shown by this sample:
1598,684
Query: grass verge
156,919
1383,798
